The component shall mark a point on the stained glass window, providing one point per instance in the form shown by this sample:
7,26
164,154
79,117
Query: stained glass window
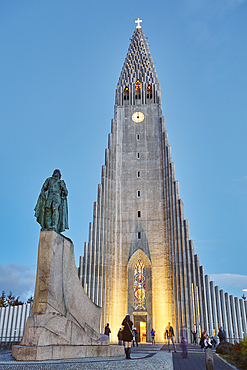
137,85
139,287
138,89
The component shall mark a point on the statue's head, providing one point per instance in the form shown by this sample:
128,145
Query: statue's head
57,174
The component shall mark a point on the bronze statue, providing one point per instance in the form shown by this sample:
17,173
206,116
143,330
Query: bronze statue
51,209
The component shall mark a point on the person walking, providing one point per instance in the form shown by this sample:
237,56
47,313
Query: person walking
127,335
153,336
107,329
169,334
184,347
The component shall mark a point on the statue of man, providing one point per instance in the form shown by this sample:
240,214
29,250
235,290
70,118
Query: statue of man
51,209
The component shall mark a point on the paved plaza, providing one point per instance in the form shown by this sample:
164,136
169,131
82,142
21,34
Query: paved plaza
146,356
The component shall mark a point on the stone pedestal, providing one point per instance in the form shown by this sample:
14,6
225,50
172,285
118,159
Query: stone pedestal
209,356
64,322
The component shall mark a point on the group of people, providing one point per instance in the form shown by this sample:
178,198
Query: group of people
207,342
129,334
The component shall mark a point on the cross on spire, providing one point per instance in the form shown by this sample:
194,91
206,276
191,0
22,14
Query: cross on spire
138,21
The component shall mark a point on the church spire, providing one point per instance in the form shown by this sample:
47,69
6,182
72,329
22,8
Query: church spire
138,72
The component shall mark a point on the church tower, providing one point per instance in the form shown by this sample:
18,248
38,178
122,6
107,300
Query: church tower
139,259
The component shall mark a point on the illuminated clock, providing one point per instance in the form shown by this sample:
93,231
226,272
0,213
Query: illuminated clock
138,117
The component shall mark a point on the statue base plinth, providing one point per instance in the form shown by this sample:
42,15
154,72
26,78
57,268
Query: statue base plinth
42,353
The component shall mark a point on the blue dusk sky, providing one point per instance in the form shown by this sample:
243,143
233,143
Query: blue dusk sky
60,64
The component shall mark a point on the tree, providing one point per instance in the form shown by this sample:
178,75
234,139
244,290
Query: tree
30,299
12,300
3,300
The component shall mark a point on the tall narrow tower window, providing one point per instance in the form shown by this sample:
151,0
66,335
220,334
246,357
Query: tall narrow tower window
138,193
149,92
139,287
138,155
138,213
138,173
139,235
138,89
126,93
138,137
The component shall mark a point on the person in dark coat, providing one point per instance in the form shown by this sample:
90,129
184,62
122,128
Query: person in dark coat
107,329
127,335
222,335
120,337
202,340
194,336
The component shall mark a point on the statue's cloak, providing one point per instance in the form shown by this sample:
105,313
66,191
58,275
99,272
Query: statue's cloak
63,212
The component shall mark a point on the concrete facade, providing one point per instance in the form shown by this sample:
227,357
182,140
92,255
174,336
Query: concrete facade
139,216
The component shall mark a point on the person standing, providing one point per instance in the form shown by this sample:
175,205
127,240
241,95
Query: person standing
222,335
107,329
120,337
194,336
153,336
202,340
169,333
127,335
135,338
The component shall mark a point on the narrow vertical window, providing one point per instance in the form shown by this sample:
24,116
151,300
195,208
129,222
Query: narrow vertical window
138,213
138,193
149,92
139,235
138,173
126,93
139,286
138,137
138,89
138,155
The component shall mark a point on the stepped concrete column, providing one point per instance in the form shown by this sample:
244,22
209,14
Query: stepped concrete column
234,318
224,313
229,317
239,318
214,309
218,307
200,293
85,267
204,300
195,288
244,316
89,260
209,305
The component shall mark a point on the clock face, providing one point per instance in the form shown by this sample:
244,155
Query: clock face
138,117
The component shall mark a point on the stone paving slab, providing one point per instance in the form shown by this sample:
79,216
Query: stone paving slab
144,357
